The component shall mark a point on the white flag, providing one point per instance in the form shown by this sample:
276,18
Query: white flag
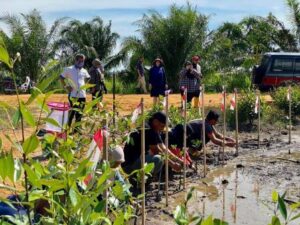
232,103
136,113
223,101
256,105
167,92
288,94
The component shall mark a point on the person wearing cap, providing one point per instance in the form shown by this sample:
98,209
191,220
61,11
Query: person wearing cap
194,134
141,83
72,79
154,147
157,80
97,78
190,79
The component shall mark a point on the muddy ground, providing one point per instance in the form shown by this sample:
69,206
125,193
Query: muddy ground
239,192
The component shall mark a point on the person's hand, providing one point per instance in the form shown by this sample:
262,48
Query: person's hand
229,139
177,167
166,87
230,144
150,87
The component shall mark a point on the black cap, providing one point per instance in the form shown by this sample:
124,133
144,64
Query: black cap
160,116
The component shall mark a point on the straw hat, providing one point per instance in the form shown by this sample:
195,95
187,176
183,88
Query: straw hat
116,154
157,59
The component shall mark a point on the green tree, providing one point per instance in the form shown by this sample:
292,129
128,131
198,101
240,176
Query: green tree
92,38
173,38
29,36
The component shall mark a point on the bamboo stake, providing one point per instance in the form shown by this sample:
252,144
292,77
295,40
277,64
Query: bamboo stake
236,123
167,150
258,107
105,157
290,114
224,126
184,138
143,164
203,130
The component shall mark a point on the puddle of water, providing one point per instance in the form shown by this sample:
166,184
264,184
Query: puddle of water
240,201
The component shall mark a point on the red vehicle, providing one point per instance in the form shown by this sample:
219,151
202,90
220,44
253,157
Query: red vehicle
276,69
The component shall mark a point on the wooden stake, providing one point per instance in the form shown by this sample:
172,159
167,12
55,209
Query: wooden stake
184,138
258,107
114,100
167,150
236,123
290,114
224,126
143,164
203,130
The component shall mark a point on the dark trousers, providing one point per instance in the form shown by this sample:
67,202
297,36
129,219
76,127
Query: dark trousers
77,106
190,95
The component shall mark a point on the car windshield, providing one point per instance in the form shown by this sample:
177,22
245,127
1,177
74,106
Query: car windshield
264,61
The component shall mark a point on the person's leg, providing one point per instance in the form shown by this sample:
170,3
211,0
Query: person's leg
196,99
157,160
71,112
80,106
189,97
143,84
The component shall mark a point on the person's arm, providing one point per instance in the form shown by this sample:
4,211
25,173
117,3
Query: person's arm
219,141
62,78
196,74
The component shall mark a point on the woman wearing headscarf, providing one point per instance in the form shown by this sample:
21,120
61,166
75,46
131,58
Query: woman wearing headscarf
157,80
190,79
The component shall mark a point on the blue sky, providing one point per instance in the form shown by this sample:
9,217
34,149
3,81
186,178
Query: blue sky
123,13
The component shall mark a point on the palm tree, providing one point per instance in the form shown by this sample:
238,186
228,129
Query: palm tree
29,36
93,38
173,38
294,6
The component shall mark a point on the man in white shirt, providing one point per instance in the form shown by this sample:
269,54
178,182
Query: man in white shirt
73,78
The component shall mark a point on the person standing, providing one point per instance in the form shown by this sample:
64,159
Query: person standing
72,79
157,80
97,78
197,67
190,79
141,83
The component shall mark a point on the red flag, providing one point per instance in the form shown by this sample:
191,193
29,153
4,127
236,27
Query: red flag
232,103
94,154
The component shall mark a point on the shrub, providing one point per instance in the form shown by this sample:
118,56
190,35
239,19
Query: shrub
280,99
246,105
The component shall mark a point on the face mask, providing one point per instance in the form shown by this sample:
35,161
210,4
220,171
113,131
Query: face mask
79,65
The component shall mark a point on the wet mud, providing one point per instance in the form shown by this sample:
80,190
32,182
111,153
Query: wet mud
240,191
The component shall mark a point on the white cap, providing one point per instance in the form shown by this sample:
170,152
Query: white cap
116,154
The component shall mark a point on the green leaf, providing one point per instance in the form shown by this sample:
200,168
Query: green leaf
18,170
274,196
220,222
190,194
119,219
87,86
9,166
295,206
16,118
42,86
0,143
68,156
148,168
275,221
35,92
282,207
180,215
88,107
28,117
208,221
30,144
36,194
118,191
32,176
52,122
73,196
295,217
4,56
